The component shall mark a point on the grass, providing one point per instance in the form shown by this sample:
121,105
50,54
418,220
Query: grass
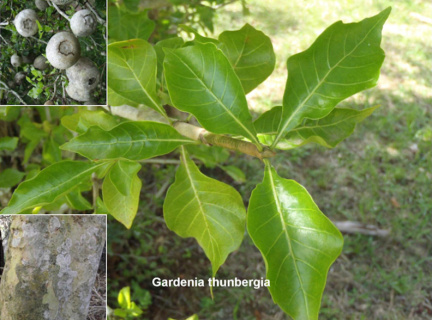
381,175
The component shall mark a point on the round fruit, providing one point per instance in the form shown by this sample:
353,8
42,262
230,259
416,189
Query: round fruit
63,50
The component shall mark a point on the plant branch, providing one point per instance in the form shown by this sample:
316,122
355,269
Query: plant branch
136,114
13,92
98,18
201,134
59,10
194,132
34,38
95,190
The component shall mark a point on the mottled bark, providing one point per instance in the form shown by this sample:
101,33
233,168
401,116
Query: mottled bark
51,266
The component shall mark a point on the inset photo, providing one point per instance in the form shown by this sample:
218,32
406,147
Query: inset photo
53,52
53,267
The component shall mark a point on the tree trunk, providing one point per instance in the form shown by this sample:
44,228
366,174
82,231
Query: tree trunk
51,266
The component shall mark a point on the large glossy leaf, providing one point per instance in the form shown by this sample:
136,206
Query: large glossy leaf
251,54
297,241
132,68
201,81
344,59
126,25
49,185
130,140
121,189
338,125
206,209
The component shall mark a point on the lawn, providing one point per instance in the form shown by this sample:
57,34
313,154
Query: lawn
381,175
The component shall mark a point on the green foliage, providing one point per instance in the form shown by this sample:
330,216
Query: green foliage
202,82
338,125
128,24
121,189
159,19
298,243
50,184
206,78
128,309
208,210
345,59
250,52
132,74
128,140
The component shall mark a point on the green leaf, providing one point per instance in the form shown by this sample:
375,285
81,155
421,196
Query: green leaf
81,121
344,59
197,37
201,81
210,157
132,68
173,43
206,209
33,133
121,190
328,131
129,140
10,177
297,241
126,25
235,173
8,143
50,151
251,54
124,298
76,201
48,185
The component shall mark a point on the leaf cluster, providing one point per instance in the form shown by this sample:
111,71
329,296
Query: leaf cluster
205,81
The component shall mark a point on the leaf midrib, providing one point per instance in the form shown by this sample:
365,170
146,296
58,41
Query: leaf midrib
201,209
130,141
279,209
281,132
159,108
251,136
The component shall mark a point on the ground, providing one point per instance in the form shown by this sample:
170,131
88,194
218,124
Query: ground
381,175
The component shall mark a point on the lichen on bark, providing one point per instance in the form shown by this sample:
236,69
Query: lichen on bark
51,267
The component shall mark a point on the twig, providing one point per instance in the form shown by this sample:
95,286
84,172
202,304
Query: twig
136,114
357,227
55,88
95,190
34,38
195,133
98,18
4,23
13,92
4,40
64,94
163,188
161,161
421,18
201,134
59,10
48,113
